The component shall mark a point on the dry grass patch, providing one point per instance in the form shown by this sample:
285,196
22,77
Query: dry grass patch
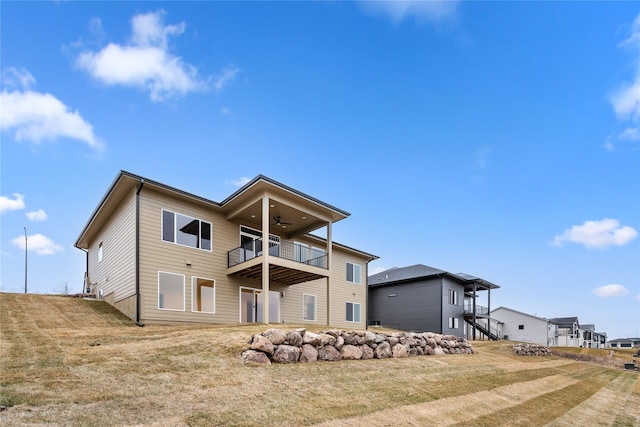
95,368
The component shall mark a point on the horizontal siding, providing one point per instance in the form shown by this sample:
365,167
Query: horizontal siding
157,255
115,274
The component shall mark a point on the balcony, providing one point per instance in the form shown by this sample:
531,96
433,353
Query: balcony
480,310
291,263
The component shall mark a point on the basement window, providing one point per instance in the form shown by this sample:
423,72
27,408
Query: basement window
204,295
353,312
170,291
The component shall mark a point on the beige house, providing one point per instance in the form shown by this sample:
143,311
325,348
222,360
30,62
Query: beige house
162,255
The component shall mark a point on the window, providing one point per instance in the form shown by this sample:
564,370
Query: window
520,327
353,312
453,297
204,295
354,273
186,231
100,252
453,323
170,291
309,307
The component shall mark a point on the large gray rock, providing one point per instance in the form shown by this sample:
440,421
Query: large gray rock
350,352
311,338
286,354
370,337
328,353
383,351
327,339
339,342
438,351
393,341
309,354
367,352
276,336
254,356
261,343
293,338
399,350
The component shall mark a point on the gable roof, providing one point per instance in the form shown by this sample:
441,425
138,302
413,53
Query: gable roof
565,322
519,312
418,272
126,182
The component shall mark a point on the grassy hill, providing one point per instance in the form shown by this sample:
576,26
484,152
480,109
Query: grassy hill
67,361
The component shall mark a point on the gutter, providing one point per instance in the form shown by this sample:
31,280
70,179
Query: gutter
138,304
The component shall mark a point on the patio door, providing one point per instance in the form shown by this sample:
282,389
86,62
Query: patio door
251,301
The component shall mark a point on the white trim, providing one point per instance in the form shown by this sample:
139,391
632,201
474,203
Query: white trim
359,282
175,231
353,312
183,291
315,308
193,279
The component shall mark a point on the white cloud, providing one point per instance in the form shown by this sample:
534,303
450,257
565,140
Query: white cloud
225,111
145,62
597,234
630,134
41,245
15,204
240,181
626,100
36,116
38,215
227,76
612,290
17,78
421,10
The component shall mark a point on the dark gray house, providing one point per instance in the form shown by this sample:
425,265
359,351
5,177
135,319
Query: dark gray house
426,299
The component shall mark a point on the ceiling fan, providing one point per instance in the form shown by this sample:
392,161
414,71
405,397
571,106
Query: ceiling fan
279,222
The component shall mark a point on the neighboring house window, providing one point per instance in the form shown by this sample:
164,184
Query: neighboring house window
170,291
520,326
204,295
353,312
100,252
186,231
453,323
309,307
453,297
354,273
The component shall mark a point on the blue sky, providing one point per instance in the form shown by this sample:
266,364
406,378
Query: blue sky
498,139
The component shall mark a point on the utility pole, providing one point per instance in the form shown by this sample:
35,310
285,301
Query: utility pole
25,259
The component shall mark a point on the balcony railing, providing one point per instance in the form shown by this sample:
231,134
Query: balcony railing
285,250
480,310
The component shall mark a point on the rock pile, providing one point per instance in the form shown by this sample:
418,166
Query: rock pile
300,345
524,349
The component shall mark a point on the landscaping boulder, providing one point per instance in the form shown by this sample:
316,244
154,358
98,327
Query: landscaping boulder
286,354
328,353
399,350
276,336
293,338
261,343
383,350
254,356
350,352
308,354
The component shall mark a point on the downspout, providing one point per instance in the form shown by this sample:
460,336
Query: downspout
138,303
86,270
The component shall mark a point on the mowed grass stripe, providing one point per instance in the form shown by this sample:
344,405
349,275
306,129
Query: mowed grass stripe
547,407
603,407
470,407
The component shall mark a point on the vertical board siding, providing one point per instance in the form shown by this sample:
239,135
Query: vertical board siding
116,272
449,310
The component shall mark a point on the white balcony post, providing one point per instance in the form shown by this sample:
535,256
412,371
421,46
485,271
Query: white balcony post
265,259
